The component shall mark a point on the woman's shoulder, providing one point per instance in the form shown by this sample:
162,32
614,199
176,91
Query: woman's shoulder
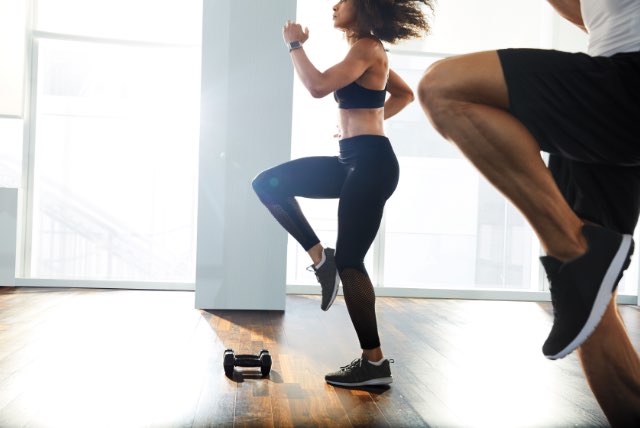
369,47
368,43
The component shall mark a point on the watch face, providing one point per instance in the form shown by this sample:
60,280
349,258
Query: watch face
294,44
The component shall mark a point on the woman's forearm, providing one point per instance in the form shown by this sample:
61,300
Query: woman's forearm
396,104
309,75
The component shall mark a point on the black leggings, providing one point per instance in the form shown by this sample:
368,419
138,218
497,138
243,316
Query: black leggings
363,177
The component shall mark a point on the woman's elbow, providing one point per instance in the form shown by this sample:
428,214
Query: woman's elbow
317,90
316,93
409,96
406,97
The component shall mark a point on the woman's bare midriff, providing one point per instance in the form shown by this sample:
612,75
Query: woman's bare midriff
354,122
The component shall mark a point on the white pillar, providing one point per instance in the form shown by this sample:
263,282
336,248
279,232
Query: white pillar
8,227
247,88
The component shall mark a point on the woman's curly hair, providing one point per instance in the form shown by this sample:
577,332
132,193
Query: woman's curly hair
391,20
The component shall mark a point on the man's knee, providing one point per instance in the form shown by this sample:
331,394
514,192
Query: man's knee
435,91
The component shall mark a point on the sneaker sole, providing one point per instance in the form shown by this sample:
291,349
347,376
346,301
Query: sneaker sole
334,293
370,382
603,297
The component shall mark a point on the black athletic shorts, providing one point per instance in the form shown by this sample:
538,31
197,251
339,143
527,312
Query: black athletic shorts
585,112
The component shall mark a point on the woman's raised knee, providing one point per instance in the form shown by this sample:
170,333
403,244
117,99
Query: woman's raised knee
262,184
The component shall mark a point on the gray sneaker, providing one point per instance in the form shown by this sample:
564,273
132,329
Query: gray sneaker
360,372
328,277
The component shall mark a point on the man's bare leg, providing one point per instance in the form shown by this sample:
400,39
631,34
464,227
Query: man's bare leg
612,368
467,101
471,110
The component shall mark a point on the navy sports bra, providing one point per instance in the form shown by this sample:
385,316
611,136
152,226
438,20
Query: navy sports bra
356,96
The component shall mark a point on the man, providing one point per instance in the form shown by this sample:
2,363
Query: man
501,108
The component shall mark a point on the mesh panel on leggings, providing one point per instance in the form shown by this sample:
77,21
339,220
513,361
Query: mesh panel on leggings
361,303
294,222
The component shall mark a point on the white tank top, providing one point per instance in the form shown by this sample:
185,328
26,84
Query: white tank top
613,25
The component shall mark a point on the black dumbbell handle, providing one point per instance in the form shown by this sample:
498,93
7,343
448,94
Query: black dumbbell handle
247,361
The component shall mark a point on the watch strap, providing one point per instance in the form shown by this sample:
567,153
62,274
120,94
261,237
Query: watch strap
294,45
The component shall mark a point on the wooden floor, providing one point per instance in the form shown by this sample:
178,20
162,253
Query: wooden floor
116,358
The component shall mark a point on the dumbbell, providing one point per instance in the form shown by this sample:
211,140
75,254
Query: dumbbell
231,360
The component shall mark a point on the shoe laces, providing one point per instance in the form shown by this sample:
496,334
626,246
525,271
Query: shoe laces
358,362
313,269
352,365
554,302
555,311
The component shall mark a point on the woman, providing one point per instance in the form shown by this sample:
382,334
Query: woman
363,176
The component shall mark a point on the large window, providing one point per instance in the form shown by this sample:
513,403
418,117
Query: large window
12,51
13,20
114,138
445,227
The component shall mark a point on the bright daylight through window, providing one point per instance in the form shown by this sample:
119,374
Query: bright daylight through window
115,109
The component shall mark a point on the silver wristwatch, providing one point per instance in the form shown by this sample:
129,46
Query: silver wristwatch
294,45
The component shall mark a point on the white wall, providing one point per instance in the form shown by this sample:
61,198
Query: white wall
247,88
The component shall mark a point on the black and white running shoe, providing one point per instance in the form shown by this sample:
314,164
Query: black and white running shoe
360,372
582,288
